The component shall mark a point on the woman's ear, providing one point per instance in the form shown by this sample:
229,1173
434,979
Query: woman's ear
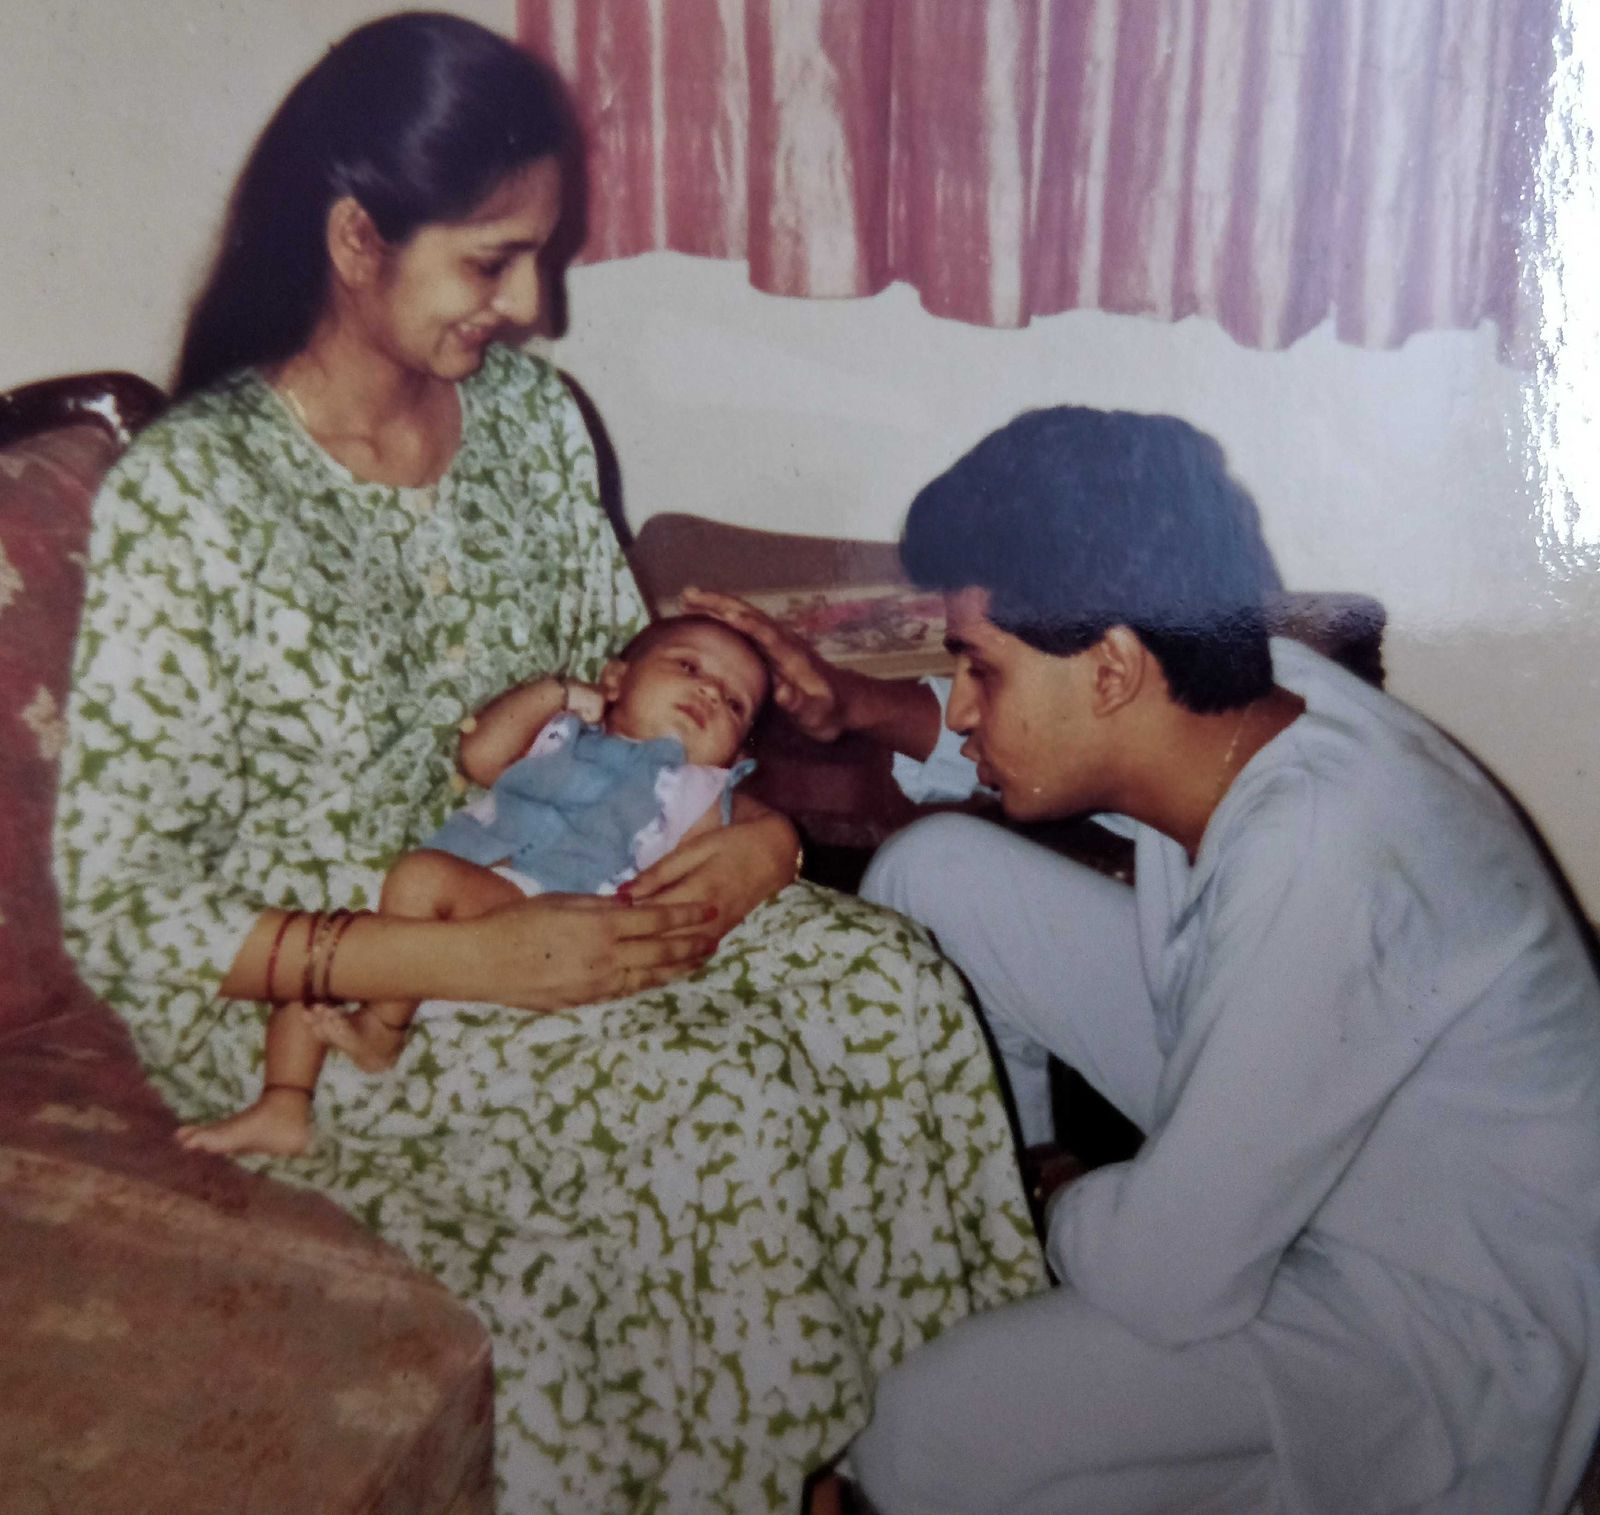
355,245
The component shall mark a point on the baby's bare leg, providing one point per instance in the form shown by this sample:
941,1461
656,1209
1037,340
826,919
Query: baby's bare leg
279,1122
423,885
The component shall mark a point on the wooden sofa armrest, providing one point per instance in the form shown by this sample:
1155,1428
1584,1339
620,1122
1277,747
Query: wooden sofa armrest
673,551
118,403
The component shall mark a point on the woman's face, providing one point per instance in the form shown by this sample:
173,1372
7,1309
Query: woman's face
435,301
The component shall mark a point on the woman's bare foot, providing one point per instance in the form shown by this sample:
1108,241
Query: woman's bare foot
278,1125
361,1036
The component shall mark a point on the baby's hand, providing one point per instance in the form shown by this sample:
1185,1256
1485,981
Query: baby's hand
586,702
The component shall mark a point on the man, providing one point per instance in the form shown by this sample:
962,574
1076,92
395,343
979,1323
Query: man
1355,1266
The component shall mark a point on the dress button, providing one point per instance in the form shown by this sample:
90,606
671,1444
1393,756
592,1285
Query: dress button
458,784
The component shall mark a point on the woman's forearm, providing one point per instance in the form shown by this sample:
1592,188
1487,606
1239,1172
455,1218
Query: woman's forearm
376,957
775,837
902,714
539,954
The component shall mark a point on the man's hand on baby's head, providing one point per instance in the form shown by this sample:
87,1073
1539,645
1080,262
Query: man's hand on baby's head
586,702
804,686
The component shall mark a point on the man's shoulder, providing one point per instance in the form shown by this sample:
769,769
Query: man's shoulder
1393,814
1361,756
1369,786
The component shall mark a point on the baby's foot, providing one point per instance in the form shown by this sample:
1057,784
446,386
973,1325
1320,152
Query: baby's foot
278,1124
361,1036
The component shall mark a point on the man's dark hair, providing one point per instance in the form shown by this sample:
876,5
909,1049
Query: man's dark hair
1076,520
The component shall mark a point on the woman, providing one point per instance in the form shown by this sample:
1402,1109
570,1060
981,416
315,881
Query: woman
698,1220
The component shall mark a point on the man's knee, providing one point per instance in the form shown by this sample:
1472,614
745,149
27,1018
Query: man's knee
900,1459
917,871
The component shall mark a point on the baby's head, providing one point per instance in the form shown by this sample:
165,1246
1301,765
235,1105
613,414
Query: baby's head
690,677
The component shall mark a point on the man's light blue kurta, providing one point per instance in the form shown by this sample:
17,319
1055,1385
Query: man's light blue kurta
1375,1141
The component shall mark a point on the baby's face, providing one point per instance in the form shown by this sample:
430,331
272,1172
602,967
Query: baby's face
700,684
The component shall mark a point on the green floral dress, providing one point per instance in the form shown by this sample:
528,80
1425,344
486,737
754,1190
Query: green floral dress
699,1221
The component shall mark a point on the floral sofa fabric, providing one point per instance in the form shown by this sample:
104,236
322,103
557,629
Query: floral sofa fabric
45,489
180,1335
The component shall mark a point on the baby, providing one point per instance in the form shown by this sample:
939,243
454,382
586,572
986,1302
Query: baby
588,786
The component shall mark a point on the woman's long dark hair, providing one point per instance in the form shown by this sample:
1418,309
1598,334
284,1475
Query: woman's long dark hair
419,117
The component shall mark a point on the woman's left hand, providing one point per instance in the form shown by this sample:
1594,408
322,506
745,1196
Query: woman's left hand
733,867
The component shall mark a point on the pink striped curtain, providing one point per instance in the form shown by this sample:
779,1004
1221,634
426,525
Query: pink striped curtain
1266,163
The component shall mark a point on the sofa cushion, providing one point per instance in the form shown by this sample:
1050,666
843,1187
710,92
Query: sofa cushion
190,1336
46,486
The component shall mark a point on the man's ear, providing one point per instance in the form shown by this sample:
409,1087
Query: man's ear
1119,667
610,682
355,245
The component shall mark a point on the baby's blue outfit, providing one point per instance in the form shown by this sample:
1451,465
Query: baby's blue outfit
572,812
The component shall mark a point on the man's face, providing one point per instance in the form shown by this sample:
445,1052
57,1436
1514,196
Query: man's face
1025,714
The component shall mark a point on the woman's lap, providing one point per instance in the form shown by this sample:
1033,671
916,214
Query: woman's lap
705,1217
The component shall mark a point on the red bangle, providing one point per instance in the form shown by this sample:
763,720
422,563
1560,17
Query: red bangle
308,982
277,942
342,920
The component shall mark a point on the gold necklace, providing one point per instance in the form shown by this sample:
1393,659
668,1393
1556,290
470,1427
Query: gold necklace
298,410
426,496
1228,756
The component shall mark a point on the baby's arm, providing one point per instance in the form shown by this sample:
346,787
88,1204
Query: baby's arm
500,733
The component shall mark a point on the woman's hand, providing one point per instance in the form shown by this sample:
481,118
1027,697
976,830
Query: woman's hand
809,690
558,950
733,868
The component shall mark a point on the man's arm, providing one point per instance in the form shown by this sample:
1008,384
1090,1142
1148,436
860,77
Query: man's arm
903,715
1293,1037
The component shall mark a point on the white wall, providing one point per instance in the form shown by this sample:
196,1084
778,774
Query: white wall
1404,474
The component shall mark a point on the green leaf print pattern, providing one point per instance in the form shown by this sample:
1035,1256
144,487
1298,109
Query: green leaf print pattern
697,1222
